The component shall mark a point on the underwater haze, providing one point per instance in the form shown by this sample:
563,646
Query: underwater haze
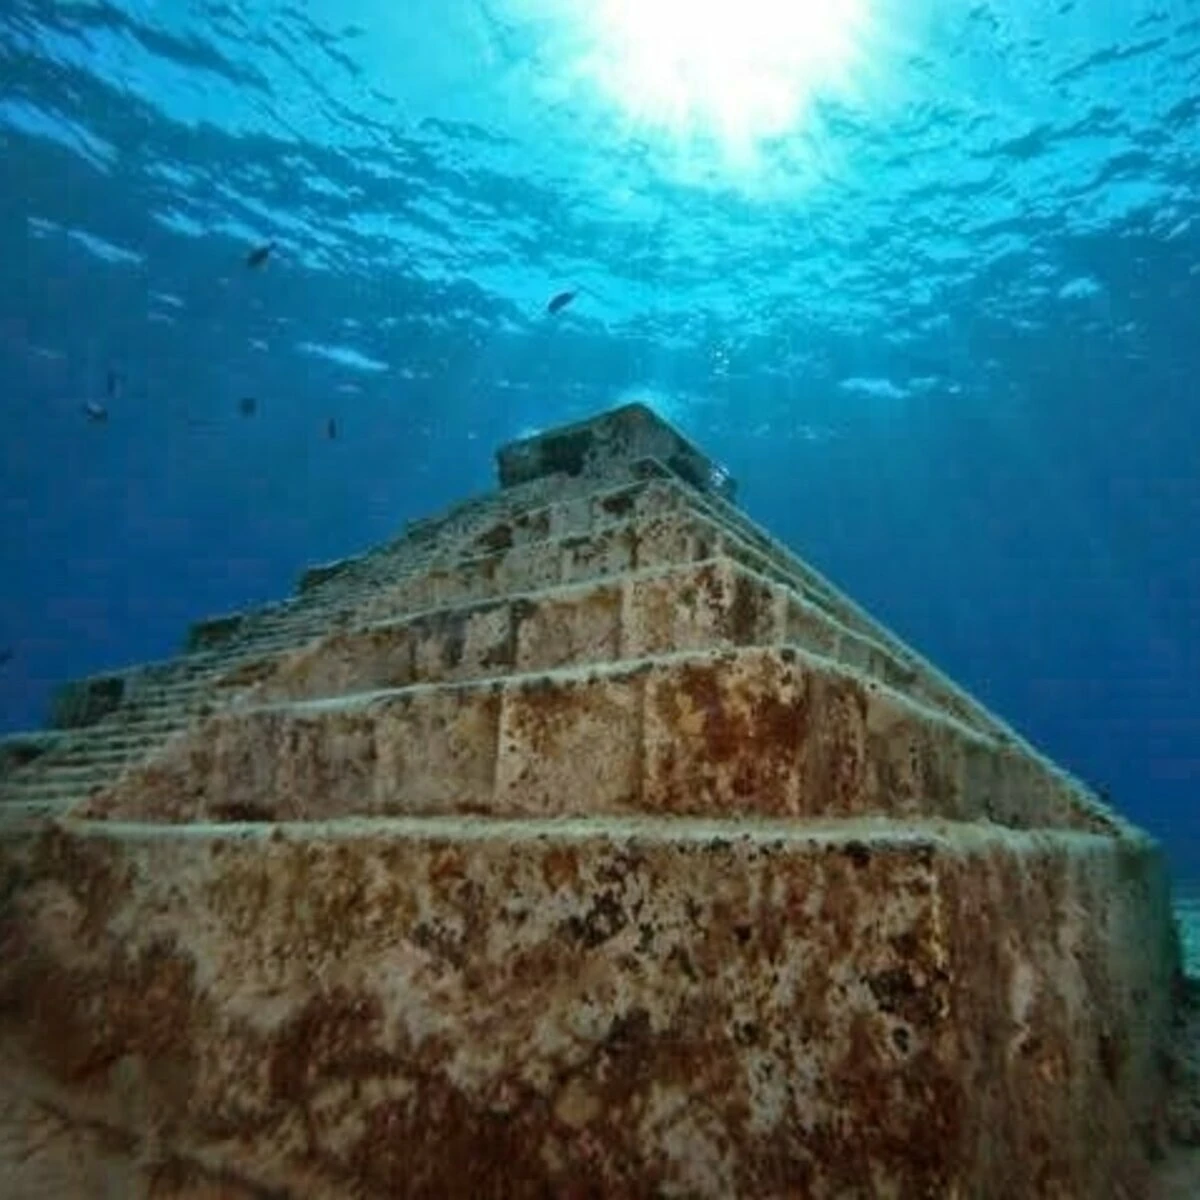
925,277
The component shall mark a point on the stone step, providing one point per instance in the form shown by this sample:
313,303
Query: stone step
492,527
670,537
827,997
462,532
19,750
85,759
709,604
660,495
65,784
240,646
48,804
751,732
24,819
614,549
516,636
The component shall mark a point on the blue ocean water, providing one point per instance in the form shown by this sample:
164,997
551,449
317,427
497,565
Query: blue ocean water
927,285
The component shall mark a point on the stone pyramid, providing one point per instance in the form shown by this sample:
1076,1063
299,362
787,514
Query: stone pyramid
581,841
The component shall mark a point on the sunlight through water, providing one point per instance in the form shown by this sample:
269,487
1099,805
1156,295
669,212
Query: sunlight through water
733,71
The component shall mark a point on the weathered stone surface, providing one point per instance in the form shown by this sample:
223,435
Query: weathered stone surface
84,703
762,732
580,841
20,749
591,447
433,1008
708,604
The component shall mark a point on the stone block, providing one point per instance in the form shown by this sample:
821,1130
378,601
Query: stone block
594,447
84,702
711,605
632,1008
419,750
607,553
567,627
757,731
571,745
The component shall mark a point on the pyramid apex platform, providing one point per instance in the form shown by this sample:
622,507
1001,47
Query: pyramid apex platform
608,443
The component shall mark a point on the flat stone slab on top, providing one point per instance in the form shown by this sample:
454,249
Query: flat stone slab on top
591,447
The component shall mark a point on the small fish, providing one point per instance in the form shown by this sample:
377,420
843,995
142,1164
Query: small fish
247,406
331,429
259,254
6,655
113,383
560,301
95,412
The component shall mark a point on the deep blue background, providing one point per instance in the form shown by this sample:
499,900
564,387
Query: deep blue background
1000,463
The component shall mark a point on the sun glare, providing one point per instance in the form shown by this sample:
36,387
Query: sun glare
737,71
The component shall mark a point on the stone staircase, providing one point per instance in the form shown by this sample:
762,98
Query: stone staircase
101,725
581,841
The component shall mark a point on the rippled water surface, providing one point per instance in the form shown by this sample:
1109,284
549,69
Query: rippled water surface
926,283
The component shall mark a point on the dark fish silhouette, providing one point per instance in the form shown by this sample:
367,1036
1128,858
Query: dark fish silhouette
6,655
113,383
331,430
259,254
559,302
247,406
95,412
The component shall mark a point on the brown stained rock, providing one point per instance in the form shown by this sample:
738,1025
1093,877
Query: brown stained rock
709,606
757,731
610,552
706,604
538,1013
726,734
404,752
437,752
362,660
525,568
567,628
638,503
462,643
914,765
563,740
661,541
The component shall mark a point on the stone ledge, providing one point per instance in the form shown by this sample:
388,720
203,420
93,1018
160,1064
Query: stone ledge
708,604
593,447
19,750
765,731
629,1006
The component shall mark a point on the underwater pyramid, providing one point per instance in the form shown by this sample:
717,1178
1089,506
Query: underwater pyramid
580,841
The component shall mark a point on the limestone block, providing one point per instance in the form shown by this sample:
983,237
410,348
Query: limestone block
625,1008
765,731
571,745
714,604
568,627
612,551
591,448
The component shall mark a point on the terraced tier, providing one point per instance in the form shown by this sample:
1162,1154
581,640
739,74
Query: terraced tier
632,1007
109,722
587,535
